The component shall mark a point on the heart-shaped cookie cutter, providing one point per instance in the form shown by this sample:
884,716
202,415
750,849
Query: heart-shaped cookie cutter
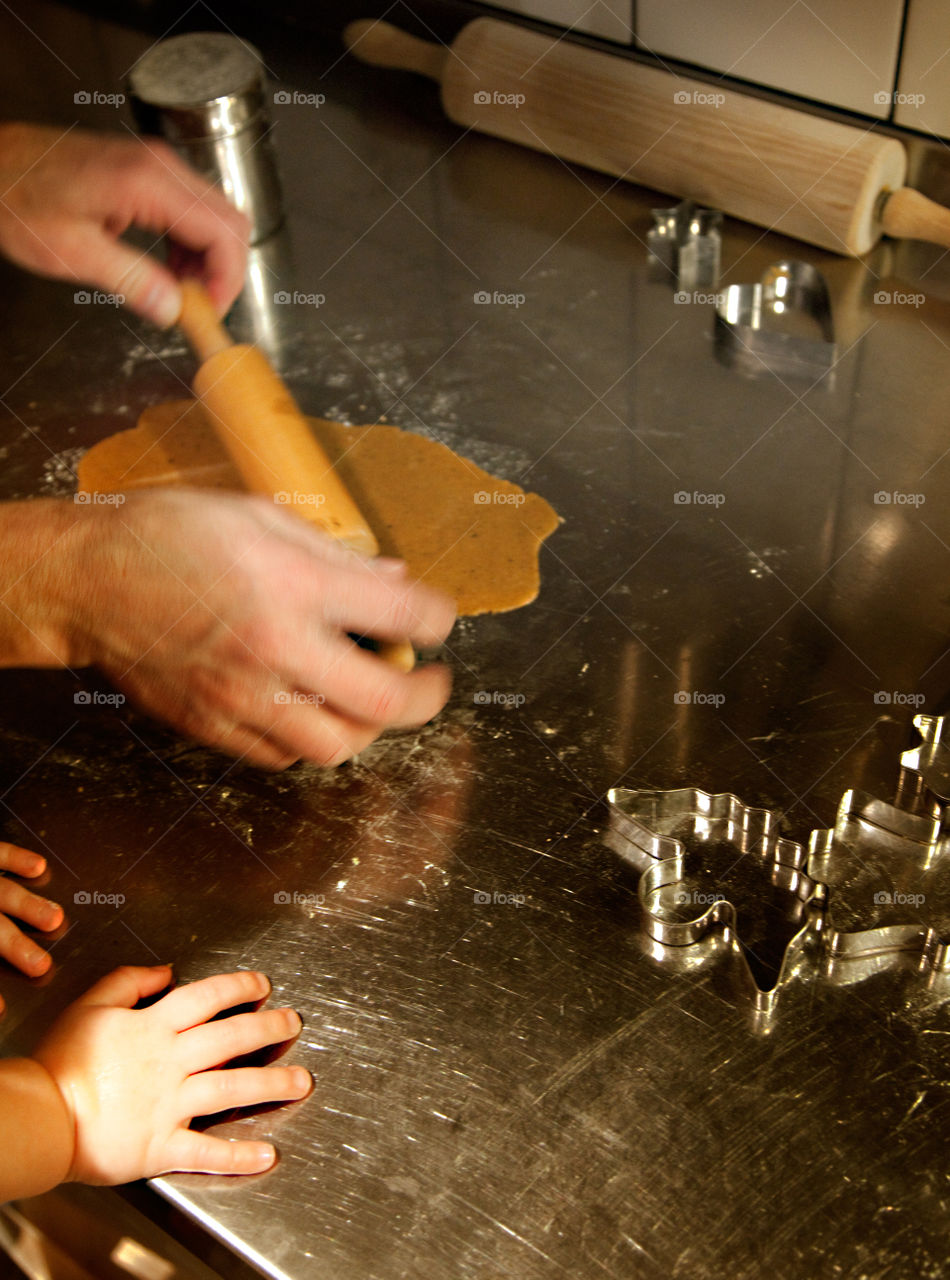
788,289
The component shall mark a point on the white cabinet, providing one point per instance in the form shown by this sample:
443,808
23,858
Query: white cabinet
923,88
833,51
610,19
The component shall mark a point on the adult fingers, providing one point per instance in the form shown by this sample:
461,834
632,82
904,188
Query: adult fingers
209,1092
190,1005
214,1043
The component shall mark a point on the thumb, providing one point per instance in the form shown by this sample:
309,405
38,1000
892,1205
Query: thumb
144,285
126,986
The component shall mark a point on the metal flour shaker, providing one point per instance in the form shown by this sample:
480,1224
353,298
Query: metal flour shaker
203,92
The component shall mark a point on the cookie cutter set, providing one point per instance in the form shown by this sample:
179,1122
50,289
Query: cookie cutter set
779,324
865,894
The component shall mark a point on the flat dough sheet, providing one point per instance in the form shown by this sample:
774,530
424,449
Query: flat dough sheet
458,528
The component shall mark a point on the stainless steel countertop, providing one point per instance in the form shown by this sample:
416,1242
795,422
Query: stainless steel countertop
520,1087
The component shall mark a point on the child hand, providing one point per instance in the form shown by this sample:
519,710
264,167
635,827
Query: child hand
15,900
134,1079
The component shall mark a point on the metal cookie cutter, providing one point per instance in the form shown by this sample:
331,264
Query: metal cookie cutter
760,328
888,877
658,831
684,245
872,892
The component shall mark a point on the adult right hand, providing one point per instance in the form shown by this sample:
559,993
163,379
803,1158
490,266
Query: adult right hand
228,618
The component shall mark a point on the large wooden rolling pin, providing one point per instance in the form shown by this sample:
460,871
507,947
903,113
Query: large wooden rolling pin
258,422
834,185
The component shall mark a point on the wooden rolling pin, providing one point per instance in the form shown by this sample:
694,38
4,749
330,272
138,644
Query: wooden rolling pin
258,422
831,184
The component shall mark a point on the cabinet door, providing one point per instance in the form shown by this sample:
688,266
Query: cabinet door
611,19
922,100
833,51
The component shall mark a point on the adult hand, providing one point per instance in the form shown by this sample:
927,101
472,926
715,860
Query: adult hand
132,1080
66,197
229,618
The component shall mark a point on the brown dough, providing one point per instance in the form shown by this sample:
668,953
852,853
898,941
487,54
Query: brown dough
458,528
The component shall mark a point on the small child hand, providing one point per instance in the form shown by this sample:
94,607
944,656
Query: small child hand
134,1079
15,900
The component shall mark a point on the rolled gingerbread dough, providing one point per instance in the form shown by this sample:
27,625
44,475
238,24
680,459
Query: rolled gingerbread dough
458,528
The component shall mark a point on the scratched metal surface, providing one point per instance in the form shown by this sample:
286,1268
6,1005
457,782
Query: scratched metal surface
517,1086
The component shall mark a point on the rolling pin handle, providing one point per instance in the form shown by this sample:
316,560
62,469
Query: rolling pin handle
199,322
908,215
382,45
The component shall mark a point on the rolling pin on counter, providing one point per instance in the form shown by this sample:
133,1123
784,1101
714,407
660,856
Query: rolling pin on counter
834,185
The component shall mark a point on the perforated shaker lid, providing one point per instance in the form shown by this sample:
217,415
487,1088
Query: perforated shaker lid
204,84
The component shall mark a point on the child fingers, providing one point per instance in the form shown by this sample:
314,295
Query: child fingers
15,900
210,1092
220,1041
21,951
22,862
126,986
191,1005
190,1152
